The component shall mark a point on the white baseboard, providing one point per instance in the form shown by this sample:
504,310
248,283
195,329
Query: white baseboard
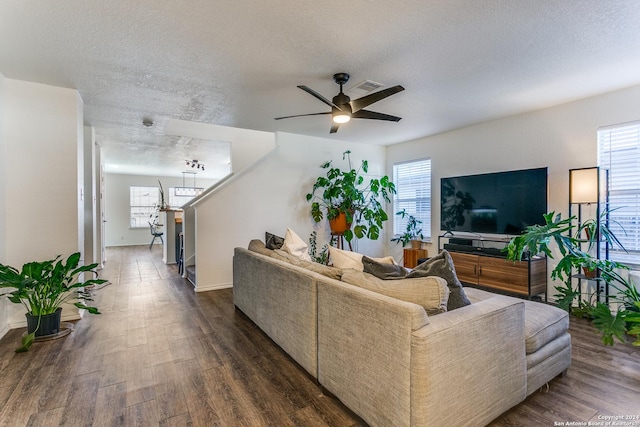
213,287
3,331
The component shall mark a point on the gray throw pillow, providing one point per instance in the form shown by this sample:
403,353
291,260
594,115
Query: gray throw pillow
272,241
383,270
442,266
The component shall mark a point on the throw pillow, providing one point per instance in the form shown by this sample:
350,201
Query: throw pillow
441,265
383,270
348,259
431,293
386,260
272,241
345,259
294,245
325,270
256,245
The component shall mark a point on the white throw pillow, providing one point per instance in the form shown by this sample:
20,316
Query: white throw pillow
386,260
294,245
353,260
346,259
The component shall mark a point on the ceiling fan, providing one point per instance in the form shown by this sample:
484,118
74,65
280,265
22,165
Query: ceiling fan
344,109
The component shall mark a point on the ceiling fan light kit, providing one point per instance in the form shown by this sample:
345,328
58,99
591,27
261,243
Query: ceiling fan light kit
343,109
340,117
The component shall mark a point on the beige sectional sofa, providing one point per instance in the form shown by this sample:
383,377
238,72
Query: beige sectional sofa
390,362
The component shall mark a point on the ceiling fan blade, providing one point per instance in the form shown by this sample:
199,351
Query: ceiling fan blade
360,103
366,114
318,96
334,127
301,115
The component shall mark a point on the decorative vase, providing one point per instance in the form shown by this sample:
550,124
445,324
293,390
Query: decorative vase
416,244
339,224
49,323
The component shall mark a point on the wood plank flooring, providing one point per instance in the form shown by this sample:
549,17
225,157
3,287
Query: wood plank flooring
162,355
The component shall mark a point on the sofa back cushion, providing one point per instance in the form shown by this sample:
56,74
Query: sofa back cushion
431,293
256,245
325,270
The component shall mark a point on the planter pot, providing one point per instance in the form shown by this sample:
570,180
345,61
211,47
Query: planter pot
49,323
416,244
339,224
589,273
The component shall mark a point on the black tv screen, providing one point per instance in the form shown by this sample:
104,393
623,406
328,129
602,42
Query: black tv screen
497,203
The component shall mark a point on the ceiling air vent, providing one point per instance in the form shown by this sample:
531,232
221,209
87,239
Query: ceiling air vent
364,88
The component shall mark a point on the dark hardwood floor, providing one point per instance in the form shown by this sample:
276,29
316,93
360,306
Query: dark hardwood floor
160,354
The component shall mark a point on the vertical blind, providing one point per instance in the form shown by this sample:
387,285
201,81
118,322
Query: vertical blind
413,186
619,152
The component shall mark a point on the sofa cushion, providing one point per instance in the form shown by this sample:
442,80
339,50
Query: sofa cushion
475,295
543,323
256,245
429,292
272,241
325,270
294,245
383,270
441,265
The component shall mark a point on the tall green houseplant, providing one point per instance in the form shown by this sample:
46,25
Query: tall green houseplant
568,239
347,192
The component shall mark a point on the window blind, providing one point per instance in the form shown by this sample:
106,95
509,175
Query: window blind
413,186
142,204
619,152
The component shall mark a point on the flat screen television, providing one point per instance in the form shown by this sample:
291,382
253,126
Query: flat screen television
495,203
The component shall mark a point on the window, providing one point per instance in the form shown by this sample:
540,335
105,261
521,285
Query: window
619,152
413,187
142,205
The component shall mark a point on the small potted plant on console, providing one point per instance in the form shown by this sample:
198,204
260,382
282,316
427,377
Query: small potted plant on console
413,232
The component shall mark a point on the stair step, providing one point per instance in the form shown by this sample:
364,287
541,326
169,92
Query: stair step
191,274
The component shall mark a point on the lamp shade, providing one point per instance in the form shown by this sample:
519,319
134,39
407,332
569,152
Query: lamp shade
584,185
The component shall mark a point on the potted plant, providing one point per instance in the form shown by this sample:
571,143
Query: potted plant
343,195
412,233
42,287
537,239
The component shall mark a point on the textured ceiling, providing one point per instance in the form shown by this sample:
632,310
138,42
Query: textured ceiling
237,63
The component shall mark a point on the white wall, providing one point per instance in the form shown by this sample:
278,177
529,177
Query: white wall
271,197
560,138
117,230
43,127
4,318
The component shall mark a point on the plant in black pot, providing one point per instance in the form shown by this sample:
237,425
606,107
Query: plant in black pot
612,322
345,198
413,232
43,287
